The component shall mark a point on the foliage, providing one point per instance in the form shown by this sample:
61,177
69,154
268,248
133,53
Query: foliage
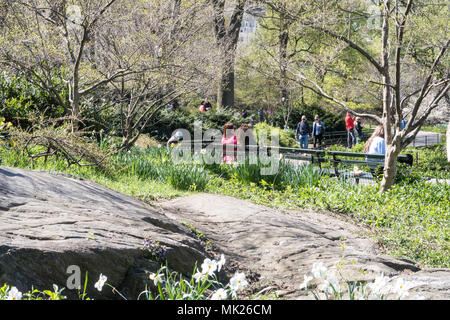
167,285
61,143
430,162
11,293
188,177
21,100
331,284
334,121
285,137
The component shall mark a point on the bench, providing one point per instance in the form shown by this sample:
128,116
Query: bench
336,160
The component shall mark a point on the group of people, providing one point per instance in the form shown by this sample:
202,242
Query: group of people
205,106
232,136
304,132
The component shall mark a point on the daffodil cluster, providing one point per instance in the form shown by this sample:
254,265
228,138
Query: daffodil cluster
329,285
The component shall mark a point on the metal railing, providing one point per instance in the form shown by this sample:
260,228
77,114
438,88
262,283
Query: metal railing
430,139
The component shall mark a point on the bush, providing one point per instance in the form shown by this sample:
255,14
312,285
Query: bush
334,121
188,177
182,118
286,138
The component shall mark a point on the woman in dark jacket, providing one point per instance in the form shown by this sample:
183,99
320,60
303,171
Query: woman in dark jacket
358,130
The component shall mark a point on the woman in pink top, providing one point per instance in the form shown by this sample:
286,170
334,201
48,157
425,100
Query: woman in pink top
229,142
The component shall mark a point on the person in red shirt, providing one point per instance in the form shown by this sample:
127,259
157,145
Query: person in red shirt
349,122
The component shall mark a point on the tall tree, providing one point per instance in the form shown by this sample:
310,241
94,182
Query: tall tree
389,58
227,37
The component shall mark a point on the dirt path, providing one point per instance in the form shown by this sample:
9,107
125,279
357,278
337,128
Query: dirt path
282,246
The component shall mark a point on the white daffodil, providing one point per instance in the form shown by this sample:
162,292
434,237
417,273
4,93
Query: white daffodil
101,282
209,267
319,271
305,283
14,294
400,287
187,296
238,282
198,276
379,286
330,286
221,262
220,294
157,278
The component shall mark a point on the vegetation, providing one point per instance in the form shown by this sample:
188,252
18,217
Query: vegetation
410,220
85,84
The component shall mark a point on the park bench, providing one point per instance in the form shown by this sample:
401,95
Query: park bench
353,158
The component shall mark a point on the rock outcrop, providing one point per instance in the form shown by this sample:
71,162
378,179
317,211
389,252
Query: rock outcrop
50,222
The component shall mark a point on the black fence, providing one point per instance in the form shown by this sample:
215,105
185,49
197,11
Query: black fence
426,140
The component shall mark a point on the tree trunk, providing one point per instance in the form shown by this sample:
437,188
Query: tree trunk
284,39
75,104
390,165
225,94
448,141
227,37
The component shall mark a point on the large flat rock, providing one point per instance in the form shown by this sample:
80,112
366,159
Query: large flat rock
282,246
49,222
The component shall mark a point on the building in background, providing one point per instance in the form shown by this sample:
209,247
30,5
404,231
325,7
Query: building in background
249,25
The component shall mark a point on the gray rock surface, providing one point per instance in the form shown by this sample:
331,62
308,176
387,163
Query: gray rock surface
282,246
50,222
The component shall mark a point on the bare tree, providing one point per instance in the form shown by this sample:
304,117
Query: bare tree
179,65
48,40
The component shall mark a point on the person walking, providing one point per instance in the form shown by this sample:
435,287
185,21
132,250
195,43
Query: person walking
302,133
358,130
318,132
350,124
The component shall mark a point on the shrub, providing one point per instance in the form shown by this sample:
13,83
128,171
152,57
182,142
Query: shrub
334,121
285,137
188,177
21,100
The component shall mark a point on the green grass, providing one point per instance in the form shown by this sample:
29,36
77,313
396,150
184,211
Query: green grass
412,220
438,129
116,175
